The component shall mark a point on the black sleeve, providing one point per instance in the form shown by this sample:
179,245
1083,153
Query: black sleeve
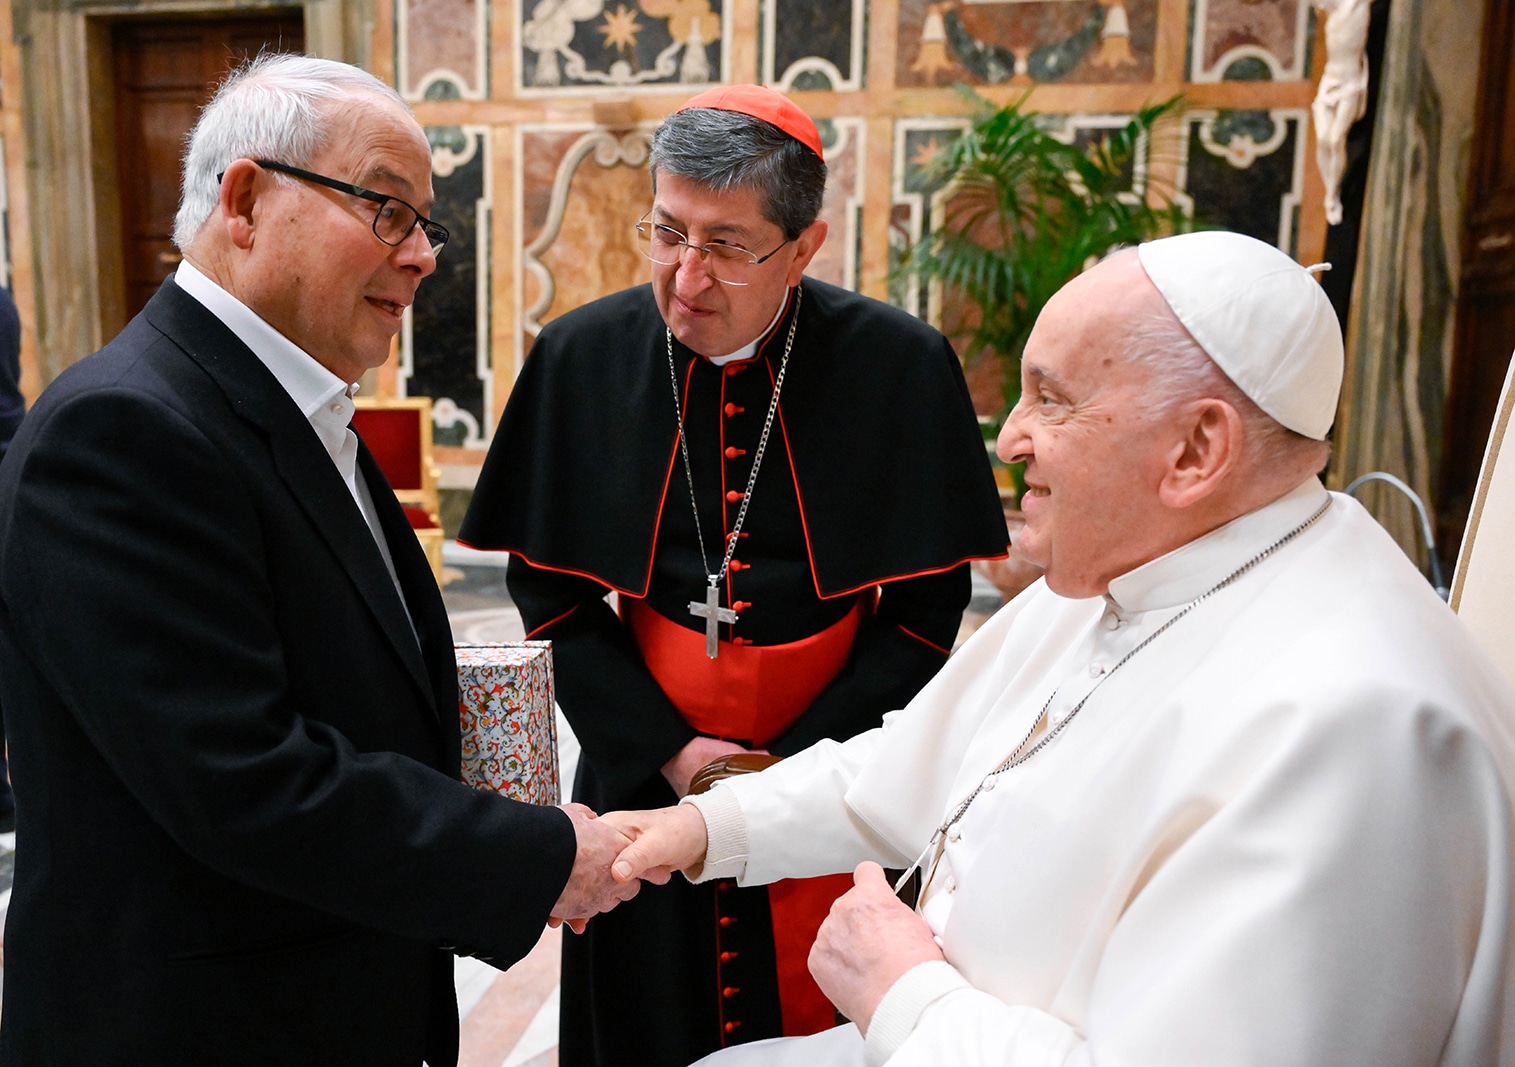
135,567
897,651
626,724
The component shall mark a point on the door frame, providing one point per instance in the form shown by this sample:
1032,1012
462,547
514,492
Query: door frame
71,176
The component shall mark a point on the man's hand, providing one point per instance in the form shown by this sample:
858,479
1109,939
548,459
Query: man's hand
867,942
692,757
591,889
663,841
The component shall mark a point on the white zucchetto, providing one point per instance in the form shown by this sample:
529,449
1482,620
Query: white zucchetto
1260,316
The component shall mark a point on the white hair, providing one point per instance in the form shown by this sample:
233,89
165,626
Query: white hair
276,106
1180,371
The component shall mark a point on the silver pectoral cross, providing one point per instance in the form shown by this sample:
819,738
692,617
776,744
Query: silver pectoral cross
713,614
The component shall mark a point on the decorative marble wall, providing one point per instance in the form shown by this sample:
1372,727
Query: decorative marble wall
540,113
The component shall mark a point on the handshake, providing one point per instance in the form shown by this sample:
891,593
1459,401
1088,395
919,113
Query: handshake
867,943
618,852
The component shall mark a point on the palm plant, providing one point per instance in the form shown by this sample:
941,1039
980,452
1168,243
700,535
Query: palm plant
1026,212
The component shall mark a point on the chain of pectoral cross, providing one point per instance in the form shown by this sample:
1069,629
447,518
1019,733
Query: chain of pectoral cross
710,608
927,863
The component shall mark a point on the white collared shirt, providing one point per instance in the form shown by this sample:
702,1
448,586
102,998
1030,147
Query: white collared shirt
324,399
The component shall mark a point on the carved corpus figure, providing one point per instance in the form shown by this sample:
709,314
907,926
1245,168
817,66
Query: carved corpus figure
1343,93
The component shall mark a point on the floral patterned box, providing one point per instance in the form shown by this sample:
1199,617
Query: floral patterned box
510,736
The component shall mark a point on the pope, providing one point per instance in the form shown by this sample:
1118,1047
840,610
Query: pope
1230,785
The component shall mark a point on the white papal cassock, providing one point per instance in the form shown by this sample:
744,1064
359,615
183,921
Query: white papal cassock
1279,835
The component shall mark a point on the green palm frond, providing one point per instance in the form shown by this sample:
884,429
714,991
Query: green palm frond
1026,212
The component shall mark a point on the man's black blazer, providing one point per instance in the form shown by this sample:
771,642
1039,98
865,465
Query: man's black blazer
241,836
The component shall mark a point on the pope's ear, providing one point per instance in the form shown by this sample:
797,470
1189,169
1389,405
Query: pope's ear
806,245
1209,450
240,185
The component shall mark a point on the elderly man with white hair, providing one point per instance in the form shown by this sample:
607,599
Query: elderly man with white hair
1231,786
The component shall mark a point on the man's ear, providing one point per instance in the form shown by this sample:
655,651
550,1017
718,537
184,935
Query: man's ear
806,245
1208,452
240,186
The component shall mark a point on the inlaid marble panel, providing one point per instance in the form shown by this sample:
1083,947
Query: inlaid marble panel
1023,42
806,45
842,210
444,350
1249,40
582,190
440,49
566,45
918,199
1244,171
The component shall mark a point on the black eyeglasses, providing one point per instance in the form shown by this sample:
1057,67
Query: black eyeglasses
394,219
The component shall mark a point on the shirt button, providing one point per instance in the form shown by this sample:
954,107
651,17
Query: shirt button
950,885
990,782
954,834
1111,621
336,409
1096,669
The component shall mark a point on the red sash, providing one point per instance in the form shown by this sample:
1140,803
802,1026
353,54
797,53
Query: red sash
753,693
749,692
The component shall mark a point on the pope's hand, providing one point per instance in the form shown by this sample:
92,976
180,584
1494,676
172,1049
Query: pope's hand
867,942
591,889
662,841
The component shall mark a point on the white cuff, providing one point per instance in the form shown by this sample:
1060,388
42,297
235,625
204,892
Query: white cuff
725,833
897,1014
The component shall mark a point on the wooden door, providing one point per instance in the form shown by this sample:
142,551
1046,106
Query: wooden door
165,72
1485,328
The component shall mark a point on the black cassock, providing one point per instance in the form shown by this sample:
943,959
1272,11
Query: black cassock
874,492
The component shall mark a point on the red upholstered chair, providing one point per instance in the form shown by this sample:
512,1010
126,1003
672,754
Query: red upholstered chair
397,430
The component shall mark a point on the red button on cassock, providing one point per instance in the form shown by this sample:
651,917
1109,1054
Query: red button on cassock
732,451
732,409
731,991
738,565
733,496
731,1026
727,957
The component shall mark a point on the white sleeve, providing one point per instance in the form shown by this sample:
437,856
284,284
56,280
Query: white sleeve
932,1016
1349,906
792,820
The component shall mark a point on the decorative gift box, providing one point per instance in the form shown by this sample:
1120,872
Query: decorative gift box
510,736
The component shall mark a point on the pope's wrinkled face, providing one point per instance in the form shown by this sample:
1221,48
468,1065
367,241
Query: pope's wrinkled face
1095,456
318,274
712,317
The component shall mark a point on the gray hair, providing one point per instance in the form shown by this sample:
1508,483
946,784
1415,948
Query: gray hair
724,150
1180,371
276,106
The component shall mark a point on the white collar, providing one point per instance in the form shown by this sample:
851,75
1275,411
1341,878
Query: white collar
1183,574
313,388
748,350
